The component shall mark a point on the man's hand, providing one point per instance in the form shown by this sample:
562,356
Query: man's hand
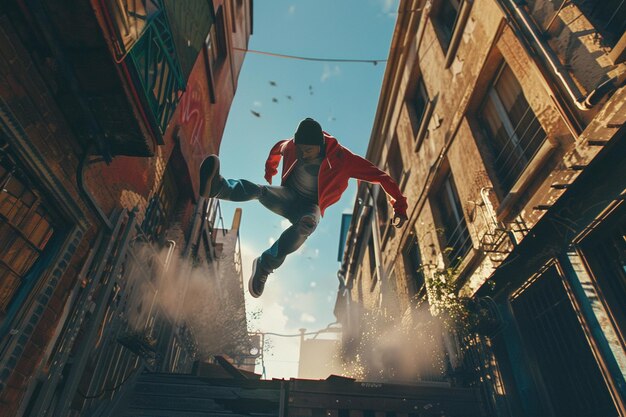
399,220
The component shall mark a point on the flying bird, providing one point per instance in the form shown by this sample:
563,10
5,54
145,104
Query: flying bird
274,100
289,97
255,113
273,83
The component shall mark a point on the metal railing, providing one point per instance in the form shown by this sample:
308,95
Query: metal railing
499,237
608,16
458,244
483,372
144,40
519,149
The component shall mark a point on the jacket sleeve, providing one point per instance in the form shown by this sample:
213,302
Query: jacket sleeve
271,165
364,170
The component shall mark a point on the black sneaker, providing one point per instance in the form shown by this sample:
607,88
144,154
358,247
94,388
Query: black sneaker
210,178
256,284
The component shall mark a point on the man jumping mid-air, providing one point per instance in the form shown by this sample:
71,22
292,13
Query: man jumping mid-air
316,170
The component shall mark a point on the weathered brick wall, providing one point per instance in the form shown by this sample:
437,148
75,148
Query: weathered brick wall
459,90
28,97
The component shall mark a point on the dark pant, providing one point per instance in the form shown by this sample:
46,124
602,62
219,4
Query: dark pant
303,214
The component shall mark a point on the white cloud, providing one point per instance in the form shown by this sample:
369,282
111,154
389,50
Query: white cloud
389,7
329,72
313,284
307,318
292,9
257,103
303,302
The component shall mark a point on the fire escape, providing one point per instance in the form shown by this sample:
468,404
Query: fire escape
501,237
144,43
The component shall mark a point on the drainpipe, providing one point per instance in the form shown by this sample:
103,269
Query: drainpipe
582,102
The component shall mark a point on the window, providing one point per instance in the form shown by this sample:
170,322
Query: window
25,230
514,134
420,100
394,161
215,51
605,252
216,41
384,222
420,110
456,238
445,13
449,18
371,254
413,264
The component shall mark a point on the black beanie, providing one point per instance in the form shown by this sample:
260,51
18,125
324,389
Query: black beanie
309,132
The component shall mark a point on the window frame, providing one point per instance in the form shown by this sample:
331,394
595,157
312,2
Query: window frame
394,154
542,149
373,265
601,273
420,121
384,225
416,279
215,50
46,250
451,45
447,187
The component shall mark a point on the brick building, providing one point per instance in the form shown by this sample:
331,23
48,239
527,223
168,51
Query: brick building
503,122
106,110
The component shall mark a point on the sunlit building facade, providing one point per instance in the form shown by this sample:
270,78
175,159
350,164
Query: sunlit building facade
503,122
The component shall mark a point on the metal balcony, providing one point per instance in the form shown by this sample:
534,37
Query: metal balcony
608,17
144,41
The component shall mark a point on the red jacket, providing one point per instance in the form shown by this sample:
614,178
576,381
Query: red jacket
338,166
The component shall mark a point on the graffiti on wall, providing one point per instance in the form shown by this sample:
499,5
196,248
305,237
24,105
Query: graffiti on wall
192,124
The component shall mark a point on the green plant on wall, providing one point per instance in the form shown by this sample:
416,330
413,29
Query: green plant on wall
465,315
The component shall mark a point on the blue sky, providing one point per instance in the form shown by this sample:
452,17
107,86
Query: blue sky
343,97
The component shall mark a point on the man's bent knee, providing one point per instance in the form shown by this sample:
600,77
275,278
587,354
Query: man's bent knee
306,225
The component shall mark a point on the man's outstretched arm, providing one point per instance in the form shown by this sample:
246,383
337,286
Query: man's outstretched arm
364,170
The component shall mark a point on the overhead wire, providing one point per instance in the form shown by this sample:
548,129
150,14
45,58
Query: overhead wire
308,58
